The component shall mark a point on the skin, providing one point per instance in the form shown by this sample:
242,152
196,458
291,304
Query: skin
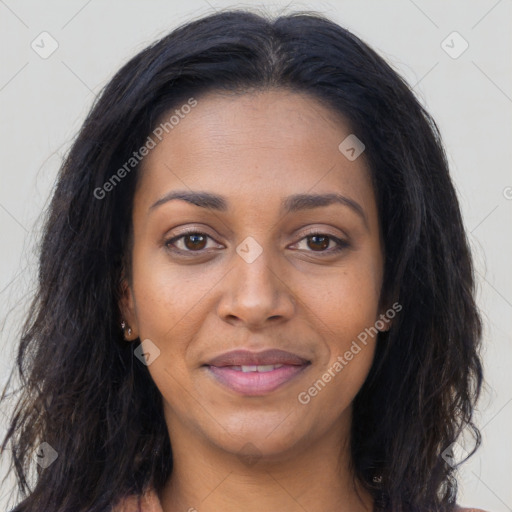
256,149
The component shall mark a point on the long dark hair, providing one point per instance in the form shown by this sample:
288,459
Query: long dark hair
86,395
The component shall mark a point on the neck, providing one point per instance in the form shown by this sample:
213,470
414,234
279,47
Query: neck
314,476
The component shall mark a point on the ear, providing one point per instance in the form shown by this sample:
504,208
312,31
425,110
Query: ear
127,309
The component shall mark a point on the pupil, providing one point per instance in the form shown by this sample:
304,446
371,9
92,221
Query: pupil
193,244
324,245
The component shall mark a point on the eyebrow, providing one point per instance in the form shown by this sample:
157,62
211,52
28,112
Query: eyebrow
290,204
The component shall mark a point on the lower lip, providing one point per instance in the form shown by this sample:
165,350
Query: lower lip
255,383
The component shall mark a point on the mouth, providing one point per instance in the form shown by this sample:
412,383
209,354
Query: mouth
256,373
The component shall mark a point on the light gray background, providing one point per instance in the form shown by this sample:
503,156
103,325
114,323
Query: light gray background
43,103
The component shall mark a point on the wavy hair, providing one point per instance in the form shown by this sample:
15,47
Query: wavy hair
83,391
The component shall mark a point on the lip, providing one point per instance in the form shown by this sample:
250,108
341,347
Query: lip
248,358
256,383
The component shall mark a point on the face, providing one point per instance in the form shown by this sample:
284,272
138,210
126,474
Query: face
258,267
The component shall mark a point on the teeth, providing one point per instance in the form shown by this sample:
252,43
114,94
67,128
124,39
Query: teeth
257,368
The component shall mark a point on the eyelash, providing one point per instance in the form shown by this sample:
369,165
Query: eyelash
342,244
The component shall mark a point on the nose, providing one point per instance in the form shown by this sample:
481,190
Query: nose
255,293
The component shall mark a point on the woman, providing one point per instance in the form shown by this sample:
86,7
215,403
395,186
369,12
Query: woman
255,289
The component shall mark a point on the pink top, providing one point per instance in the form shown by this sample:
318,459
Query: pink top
149,502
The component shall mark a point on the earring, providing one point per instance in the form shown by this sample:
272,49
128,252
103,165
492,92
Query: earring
123,326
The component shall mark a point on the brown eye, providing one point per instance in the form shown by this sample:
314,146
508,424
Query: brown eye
195,241
318,242
190,242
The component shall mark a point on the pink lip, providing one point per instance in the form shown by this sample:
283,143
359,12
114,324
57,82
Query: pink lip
255,383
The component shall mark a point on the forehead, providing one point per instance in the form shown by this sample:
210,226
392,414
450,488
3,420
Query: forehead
253,147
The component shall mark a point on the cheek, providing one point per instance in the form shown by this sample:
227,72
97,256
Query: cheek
348,308
168,298
165,315
347,302
351,343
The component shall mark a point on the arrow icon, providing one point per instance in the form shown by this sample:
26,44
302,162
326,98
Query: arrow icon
45,455
146,352
44,45
249,249
454,45
351,147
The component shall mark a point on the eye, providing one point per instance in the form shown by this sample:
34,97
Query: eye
320,242
193,241
196,241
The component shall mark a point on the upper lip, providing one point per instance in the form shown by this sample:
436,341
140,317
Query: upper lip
248,358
